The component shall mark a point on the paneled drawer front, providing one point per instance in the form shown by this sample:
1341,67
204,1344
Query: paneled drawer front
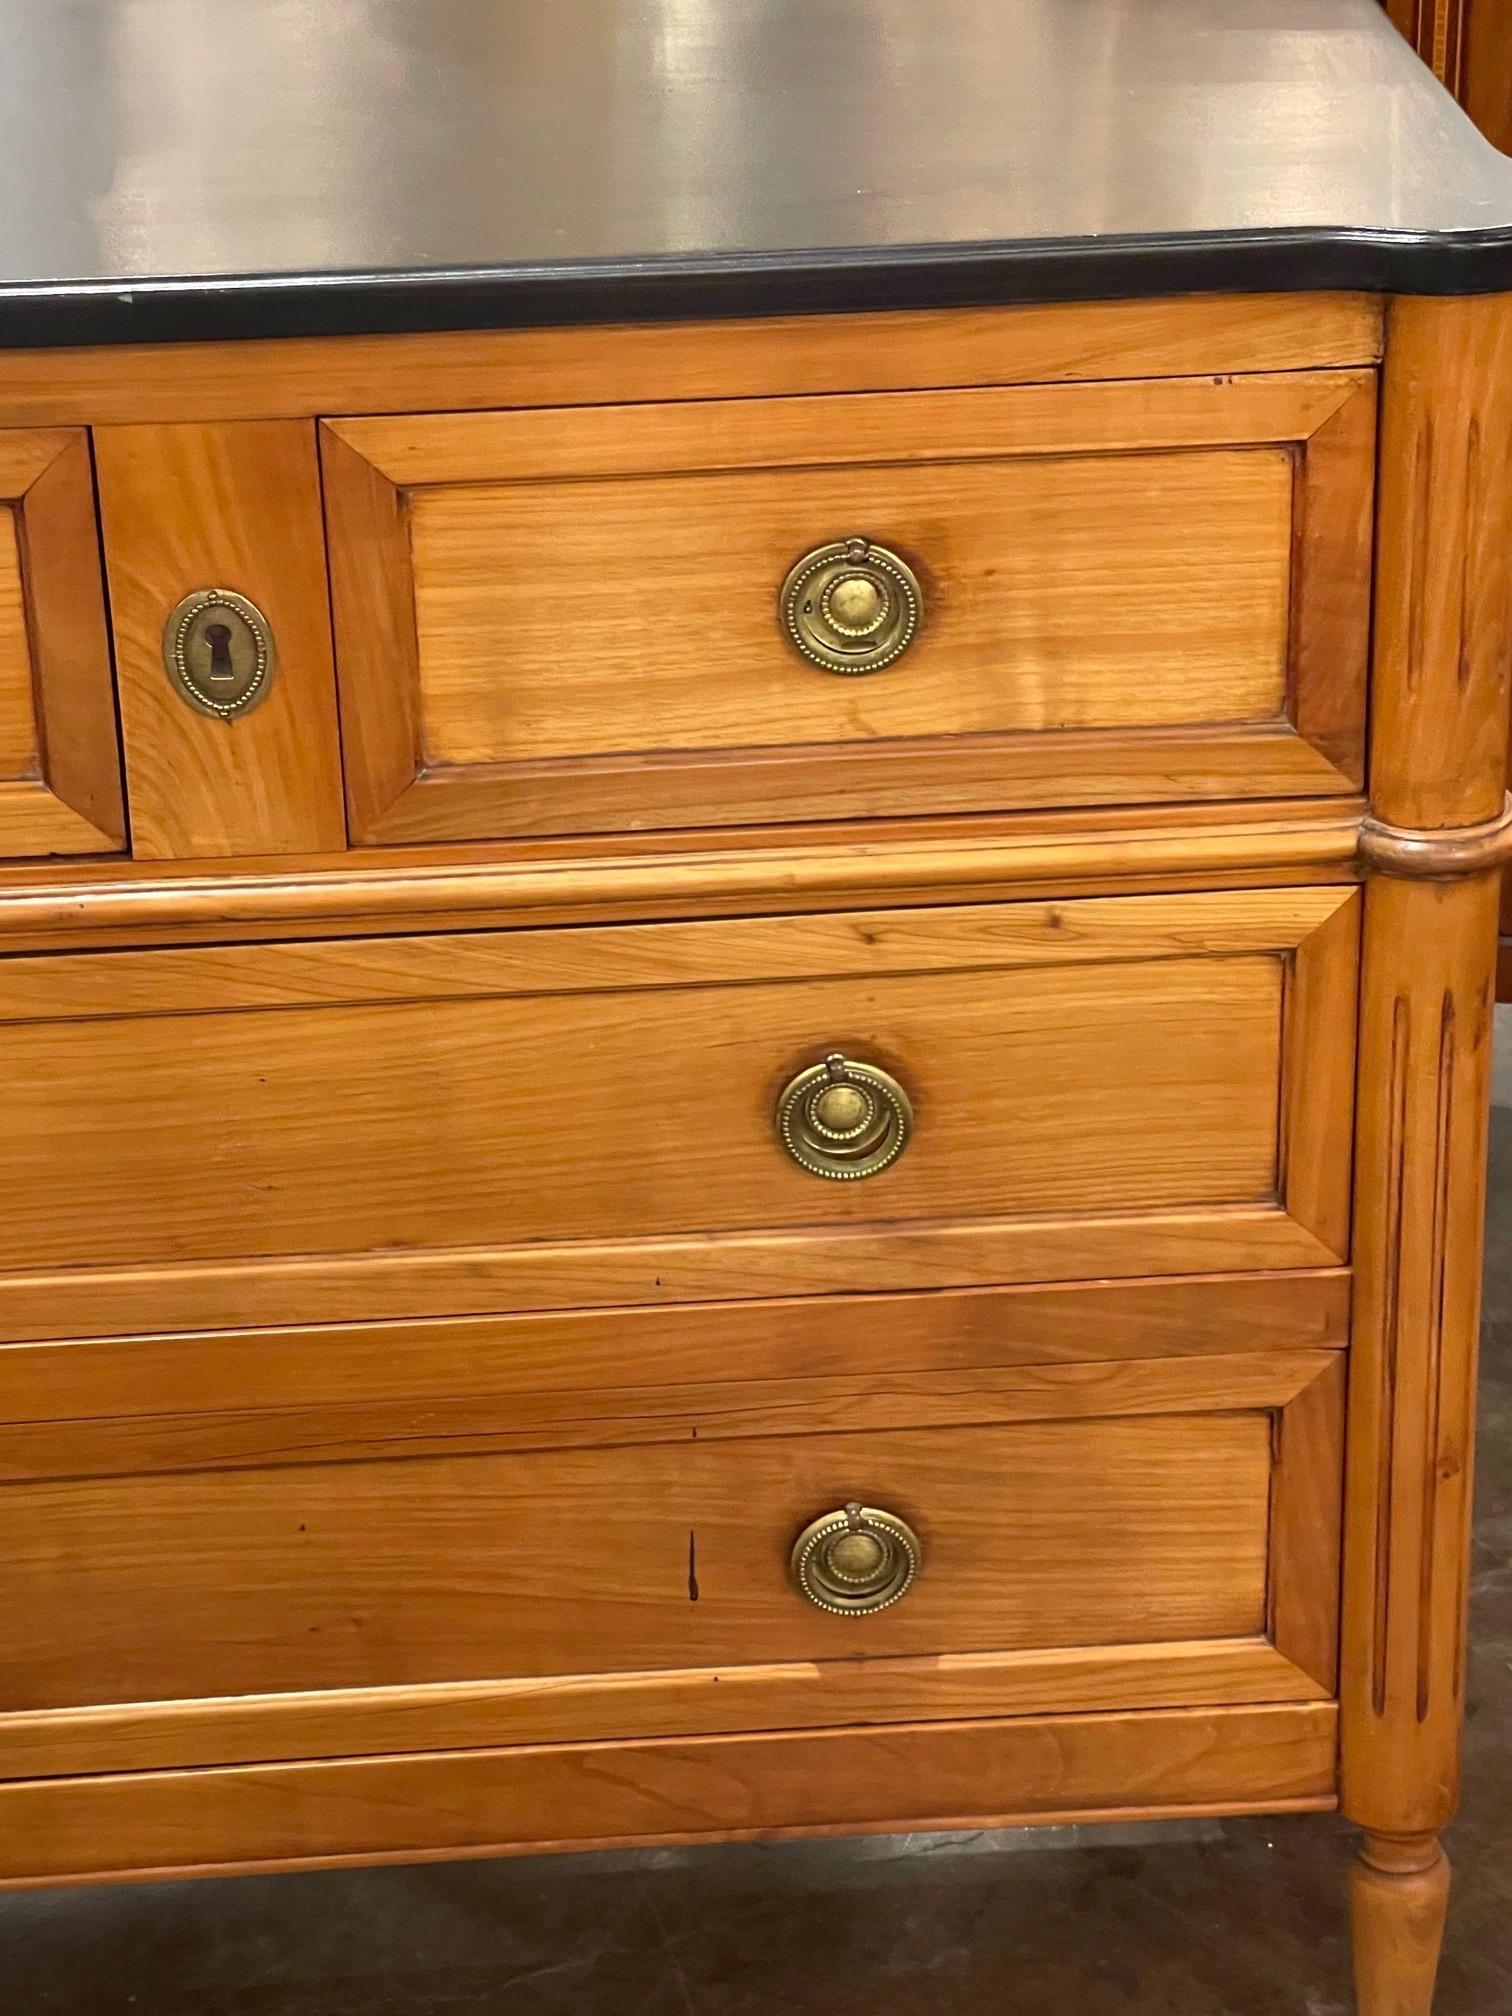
299,1132
559,621
1139,1533
60,763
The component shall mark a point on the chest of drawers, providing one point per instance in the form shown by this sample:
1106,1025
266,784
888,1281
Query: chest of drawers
745,994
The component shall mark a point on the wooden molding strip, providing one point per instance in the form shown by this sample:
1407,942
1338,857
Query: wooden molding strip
340,896
628,1417
536,1797
888,351
499,1358
682,1702
531,1278
1117,416
1437,854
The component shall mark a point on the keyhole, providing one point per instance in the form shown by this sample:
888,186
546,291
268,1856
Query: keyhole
218,637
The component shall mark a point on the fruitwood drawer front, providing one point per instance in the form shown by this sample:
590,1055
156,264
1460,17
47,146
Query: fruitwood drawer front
60,761
568,621
1175,1524
325,1131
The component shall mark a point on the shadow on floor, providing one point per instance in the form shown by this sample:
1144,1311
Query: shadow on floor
1223,1919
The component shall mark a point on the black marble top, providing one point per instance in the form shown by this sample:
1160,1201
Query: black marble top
190,168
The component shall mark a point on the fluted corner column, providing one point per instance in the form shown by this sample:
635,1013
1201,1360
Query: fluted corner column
1432,846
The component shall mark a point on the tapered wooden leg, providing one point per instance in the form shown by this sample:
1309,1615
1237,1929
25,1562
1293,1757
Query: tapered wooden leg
1399,1895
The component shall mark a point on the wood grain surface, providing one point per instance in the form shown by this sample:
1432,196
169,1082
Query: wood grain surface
231,506
477,1802
304,377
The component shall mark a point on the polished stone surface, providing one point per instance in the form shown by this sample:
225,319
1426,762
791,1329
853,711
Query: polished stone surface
1237,1919
152,139
182,167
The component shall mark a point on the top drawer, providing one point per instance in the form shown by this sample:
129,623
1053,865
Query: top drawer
570,620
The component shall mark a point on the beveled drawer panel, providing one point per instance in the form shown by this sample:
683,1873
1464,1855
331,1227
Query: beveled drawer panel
558,621
1140,1533
314,1131
60,760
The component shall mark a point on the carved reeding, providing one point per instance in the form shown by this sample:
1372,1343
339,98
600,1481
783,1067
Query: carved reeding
1432,1474
1421,483
1464,659
1437,854
1396,1163
1443,1125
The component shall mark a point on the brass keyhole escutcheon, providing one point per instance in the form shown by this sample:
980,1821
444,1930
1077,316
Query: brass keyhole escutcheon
856,1560
218,648
843,1119
851,606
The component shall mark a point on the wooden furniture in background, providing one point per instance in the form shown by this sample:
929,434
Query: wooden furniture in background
1468,45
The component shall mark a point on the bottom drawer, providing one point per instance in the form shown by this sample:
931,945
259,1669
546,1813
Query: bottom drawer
1130,1533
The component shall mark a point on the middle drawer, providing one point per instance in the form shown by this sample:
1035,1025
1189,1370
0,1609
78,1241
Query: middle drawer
310,1132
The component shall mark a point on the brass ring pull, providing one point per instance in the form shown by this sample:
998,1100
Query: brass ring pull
856,1560
844,1120
851,606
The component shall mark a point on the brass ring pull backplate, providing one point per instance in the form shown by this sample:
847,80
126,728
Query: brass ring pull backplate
844,1120
218,648
851,606
856,1560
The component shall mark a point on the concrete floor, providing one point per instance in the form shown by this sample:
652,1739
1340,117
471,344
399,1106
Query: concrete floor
1240,1919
